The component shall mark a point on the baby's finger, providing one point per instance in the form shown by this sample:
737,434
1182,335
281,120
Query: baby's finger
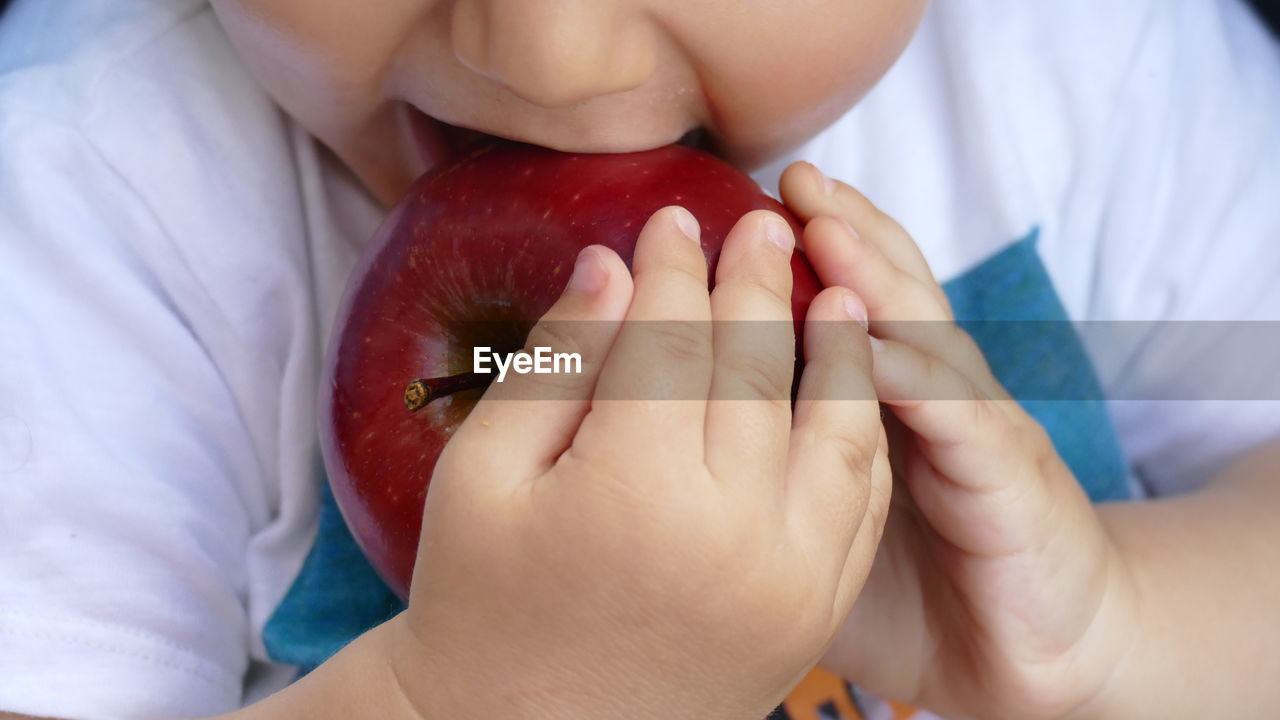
978,442
835,436
809,193
528,420
987,476
653,387
843,257
749,415
900,306
862,551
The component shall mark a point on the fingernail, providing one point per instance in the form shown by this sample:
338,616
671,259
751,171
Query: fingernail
849,227
688,224
776,230
589,273
856,309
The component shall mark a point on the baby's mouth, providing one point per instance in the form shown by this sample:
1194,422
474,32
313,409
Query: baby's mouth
699,139
438,141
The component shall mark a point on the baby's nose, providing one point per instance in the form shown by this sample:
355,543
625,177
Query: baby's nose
555,53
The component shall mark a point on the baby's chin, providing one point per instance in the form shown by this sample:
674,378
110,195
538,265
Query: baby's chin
437,141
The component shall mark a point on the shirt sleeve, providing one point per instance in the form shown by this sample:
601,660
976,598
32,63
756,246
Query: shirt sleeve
1169,232
126,471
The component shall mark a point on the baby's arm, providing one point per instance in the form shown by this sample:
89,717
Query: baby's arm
1206,642
1190,237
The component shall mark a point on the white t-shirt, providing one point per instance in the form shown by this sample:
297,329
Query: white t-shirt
172,250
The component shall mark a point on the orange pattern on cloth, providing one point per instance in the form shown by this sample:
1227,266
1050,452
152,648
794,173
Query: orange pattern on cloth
901,711
818,689
820,694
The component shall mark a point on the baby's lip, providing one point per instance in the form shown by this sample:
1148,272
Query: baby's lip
438,141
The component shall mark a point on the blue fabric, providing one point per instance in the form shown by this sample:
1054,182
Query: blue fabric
1007,303
336,597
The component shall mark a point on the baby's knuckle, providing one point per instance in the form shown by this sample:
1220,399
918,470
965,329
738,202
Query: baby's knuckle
689,275
772,284
986,417
962,343
853,454
1007,433
934,373
903,283
681,341
1017,429
761,376
554,335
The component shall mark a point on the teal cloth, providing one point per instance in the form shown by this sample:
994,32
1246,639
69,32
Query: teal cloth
336,597
1009,306
1007,303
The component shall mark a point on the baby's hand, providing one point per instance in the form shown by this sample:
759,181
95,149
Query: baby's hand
996,592
644,557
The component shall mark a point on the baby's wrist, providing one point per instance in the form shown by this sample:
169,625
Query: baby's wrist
442,678
1089,679
360,682
1118,640
429,681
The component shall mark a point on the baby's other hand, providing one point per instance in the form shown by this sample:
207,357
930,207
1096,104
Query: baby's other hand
615,544
996,592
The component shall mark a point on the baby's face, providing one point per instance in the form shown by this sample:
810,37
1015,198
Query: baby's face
381,81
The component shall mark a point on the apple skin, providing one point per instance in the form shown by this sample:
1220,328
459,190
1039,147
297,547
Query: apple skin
486,241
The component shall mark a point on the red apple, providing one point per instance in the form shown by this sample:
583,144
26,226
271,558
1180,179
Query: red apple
479,249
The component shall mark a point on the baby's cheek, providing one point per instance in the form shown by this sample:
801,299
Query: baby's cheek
777,75
326,63
330,47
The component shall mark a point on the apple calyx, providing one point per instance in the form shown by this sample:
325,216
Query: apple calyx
423,390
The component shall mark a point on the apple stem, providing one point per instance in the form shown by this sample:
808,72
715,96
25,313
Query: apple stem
420,392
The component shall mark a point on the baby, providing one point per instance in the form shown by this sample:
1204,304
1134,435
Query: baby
172,249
